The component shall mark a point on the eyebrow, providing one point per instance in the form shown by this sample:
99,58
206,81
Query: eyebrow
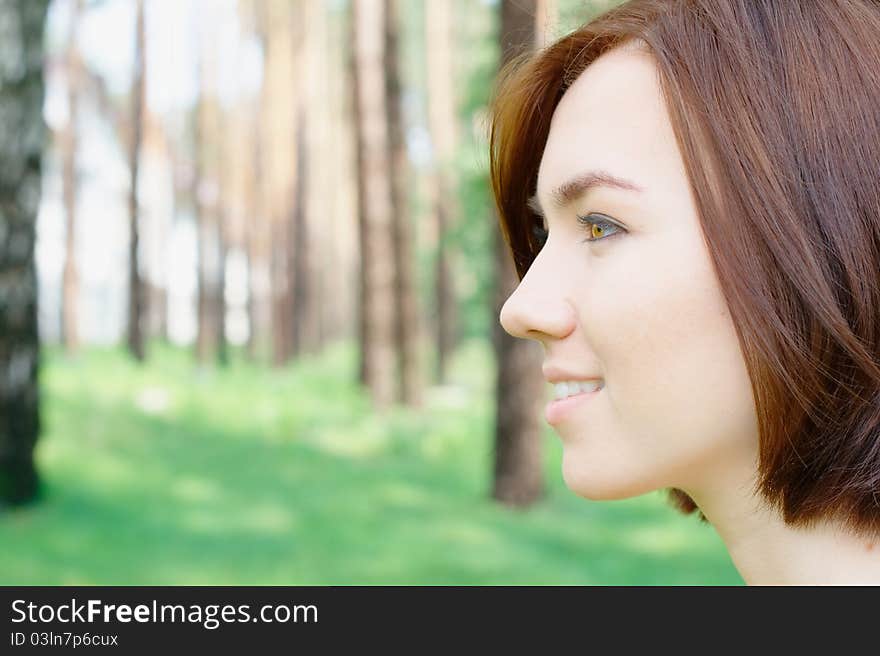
569,191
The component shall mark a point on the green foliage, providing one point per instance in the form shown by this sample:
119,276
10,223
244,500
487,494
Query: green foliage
170,475
471,235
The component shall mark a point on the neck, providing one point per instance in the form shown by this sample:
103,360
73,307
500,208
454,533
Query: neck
767,551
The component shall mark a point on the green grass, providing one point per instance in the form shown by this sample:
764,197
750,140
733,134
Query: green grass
167,475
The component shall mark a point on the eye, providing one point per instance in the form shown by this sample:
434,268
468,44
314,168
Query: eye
598,230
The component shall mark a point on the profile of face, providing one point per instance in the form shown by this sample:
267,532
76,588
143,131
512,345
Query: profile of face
632,299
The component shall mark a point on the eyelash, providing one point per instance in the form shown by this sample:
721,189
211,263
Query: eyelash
586,222
541,234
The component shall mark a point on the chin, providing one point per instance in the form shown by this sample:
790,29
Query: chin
602,482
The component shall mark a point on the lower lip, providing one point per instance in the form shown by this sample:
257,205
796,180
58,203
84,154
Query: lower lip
558,409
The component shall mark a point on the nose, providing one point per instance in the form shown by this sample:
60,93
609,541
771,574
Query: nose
537,308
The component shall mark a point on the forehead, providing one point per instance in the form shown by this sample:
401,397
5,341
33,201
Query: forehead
613,117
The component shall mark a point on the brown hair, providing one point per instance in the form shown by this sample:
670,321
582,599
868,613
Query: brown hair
774,106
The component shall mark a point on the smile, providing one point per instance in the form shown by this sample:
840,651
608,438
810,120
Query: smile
559,408
571,388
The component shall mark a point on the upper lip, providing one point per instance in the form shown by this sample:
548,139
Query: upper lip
555,374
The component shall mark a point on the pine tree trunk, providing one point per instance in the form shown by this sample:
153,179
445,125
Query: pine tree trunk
280,295
158,282
336,181
378,256
252,219
256,225
220,286
407,320
363,326
70,275
327,177
137,296
321,181
204,326
223,141
21,105
209,137
303,315
546,20
518,472
158,310
259,231
442,120
280,31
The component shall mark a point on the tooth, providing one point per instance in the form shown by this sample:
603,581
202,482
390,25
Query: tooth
571,388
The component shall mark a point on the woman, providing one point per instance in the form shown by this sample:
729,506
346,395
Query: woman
690,190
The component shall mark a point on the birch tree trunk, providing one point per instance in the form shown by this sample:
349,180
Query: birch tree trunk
22,135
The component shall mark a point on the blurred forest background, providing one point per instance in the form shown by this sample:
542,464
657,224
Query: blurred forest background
250,277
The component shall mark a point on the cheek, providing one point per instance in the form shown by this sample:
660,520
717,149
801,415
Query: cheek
674,370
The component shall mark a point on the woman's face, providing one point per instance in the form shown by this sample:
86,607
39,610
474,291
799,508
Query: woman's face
640,307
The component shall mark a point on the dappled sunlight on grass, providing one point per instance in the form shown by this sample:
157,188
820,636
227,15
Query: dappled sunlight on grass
169,474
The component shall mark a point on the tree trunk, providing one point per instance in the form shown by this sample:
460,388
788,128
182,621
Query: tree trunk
329,176
336,180
442,186
518,472
407,321
159,224
21,112
223,141
303,319
207,246
279,25
220,284
320,181
137,296
378,268
363,326
546,21
210,339
261,345
256,228
444,289
280,295
157,309
205,341
70,276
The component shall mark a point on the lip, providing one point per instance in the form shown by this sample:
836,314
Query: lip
554,374
557,410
